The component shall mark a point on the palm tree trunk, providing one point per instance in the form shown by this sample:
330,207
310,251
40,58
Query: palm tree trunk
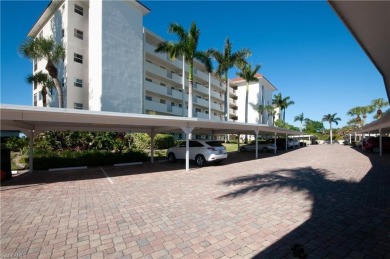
261,118
53,73
284,114
190,76
44,94
226,108
59,92
246,110
331,133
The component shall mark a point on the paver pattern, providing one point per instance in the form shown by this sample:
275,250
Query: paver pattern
331,199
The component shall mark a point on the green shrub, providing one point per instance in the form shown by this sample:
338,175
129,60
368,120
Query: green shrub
44,160
141,141
163,141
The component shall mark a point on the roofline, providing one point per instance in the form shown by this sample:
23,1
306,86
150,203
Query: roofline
339,13
53,6
262,76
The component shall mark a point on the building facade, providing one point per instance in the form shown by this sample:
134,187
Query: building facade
111,65
259,93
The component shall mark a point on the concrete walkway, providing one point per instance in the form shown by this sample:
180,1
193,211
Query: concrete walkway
331,200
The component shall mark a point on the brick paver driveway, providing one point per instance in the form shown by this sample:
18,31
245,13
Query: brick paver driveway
332,200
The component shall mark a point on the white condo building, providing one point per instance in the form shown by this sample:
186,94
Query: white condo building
110,65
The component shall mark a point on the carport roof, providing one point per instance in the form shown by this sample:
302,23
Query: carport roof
25,118
383,123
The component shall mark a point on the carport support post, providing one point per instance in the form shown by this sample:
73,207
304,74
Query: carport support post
238,141
257,144
276,147
187,131
350,138
286,141
152,146
31,150
380,142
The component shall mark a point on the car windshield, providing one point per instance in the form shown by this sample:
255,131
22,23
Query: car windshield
214,143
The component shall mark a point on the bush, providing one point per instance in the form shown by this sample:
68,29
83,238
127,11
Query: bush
44,160
163,141
15,144
141,141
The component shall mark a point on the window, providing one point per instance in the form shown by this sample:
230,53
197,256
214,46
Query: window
63,33
172,104
78,82
35,99
78,106
40,96
162,84
148,79
35,65
35,85
63,82
198,110
78,58
41,34
162,101
78,9
180,105
78,34
148,98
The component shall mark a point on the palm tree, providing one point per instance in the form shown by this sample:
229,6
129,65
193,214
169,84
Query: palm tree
356,111
261,109
278,102
286,104
300,118
47,49
187,48
248,75
378,104
226,60
271,112
331,118
46,82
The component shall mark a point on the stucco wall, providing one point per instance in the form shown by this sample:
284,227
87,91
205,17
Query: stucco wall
122,57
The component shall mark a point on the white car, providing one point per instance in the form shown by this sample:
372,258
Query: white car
201,151
262,145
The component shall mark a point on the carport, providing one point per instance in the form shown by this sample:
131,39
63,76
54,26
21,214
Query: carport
34,120
380,127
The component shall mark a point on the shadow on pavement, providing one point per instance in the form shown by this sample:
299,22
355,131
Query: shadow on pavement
347,218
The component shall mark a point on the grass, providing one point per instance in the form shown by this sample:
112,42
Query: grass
230,147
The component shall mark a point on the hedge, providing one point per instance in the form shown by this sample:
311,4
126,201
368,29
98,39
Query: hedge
44,160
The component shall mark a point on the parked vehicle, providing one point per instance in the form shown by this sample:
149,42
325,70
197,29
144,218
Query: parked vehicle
292,143
201,151
372,144
262,145
361,143
280,143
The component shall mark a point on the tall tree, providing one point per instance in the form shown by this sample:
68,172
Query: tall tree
270,113
300,118
186,47
45,82
261,109
226,60
277,101
46,49
331,118
286,103
249,75
356,111
378,104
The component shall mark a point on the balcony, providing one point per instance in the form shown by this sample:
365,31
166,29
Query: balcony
163,108
200,101
161,72
232,112
149,48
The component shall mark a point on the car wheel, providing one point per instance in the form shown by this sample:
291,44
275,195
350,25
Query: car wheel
171,157
375,150
242,149
265,150
199,160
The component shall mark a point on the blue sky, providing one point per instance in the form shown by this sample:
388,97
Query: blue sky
305,50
